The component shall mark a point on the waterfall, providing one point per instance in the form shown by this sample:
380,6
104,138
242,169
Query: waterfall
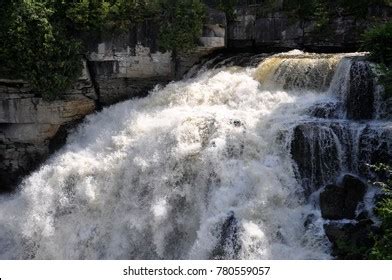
230,152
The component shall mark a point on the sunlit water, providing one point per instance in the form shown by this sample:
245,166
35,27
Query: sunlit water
156,178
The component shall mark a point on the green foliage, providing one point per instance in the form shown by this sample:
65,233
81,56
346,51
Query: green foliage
182,22
349,250
123,14
378,41
359,8
302,9
37,49
228,6
382,250
386,80
83,15
322,14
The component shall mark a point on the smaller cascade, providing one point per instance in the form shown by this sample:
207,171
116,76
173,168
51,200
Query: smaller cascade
349,224
298,71
317,153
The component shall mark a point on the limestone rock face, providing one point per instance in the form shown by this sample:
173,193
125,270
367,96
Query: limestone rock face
277,30
29,125
130,64
36,110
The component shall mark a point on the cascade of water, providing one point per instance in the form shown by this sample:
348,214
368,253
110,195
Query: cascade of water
157,178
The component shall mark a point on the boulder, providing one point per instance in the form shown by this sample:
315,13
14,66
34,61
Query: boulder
355,191
340,202
332,202
350,240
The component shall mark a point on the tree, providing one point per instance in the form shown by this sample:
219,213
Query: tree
378,40
35,49
182,23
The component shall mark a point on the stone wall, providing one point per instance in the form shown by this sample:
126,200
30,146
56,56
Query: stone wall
28,124
276,31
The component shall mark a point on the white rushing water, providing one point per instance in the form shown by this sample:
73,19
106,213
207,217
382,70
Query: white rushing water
156,178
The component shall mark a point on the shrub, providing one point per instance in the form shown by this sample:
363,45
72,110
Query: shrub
382,250
37,49
228,7
182,22
378,41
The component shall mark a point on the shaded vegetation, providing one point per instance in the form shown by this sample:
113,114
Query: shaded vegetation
382,249
182,23
35,44
378,41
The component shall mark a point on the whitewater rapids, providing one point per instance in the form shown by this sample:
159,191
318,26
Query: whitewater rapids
156,178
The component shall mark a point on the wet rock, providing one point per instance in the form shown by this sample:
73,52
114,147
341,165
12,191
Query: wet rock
340,202
321,149
17,160
310,219
351,240
355,191
325,111
315,151
113,89
363,215
332,202
360,96
229,245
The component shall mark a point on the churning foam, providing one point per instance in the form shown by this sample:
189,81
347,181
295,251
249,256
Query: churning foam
155,178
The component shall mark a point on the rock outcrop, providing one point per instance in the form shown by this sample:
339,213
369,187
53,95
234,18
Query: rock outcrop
29,125
351,240
341,201
252,27
130,64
